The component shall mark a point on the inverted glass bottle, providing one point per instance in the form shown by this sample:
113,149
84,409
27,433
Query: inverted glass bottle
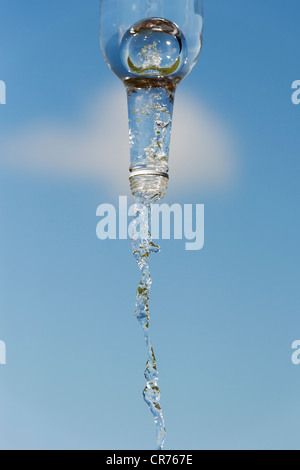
151,46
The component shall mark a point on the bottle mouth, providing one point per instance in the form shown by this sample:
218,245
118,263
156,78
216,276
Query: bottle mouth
148,172
149,185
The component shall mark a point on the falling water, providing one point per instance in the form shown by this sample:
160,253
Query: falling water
142,247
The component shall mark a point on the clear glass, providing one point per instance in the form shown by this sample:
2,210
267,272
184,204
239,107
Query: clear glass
151,45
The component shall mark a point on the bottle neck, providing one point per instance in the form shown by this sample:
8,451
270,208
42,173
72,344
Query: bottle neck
150,112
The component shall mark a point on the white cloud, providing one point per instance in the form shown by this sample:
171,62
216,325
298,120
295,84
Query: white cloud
202,150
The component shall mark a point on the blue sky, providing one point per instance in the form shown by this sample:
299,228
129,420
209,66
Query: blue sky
223,318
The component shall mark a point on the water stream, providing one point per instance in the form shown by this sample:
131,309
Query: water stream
142,248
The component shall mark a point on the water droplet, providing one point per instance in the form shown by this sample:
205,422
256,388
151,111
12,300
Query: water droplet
153,47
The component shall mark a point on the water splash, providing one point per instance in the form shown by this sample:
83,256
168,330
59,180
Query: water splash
142,247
